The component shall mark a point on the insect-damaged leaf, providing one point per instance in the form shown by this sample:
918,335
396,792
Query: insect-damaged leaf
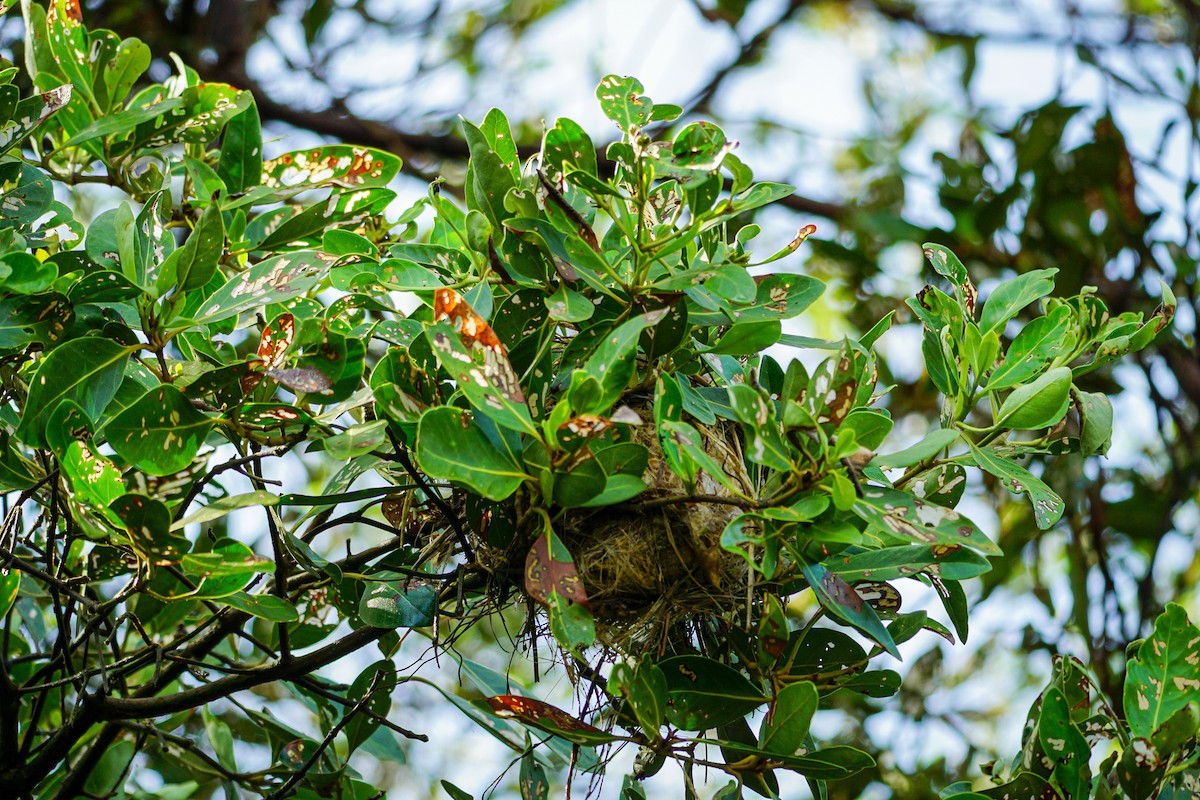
478,362
271,281
1048,507
840,599
909,518
86,371
1165,675
550,568
160,433
393,604
345,165
548,718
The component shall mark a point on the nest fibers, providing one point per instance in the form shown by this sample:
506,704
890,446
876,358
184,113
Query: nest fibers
656,560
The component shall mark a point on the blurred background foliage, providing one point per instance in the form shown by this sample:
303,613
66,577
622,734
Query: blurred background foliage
1019,133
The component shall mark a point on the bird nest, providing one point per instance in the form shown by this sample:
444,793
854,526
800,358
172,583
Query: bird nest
654,562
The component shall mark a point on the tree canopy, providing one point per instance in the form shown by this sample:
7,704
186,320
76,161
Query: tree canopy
292,381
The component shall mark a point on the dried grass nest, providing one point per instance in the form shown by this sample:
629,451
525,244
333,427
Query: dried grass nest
650,563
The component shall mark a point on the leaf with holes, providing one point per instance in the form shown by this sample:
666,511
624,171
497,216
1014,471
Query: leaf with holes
160,433
621,101
345,165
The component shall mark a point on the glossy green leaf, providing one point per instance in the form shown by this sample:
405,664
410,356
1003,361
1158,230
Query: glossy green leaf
644,687
1007,299
1034,349
934,442
379,679
705,693
194,264
786,726
1096,417
357,440
452,446
241,163
86,371
269,607
222,506
614,361
160,433
889,563
1039,404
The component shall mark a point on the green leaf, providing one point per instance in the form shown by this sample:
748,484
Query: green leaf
160,433
1034,349
271,281
1165,675
1039,404
889,563
614,362
221,738
839,598
1064,744
193,265
148,524
357,440
621,101
106,777
86,370
571,623
9,586
1048,507
452,446
360,727
1007,299
748,339
909,518
764,444
485,376
241,163
222,506
645,689
1096,414
705,693
393,605
934,442
786,726
270,607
